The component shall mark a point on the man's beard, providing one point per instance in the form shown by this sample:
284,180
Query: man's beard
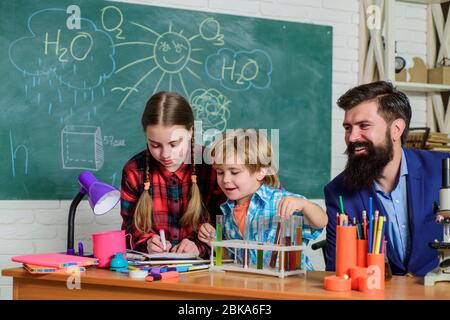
363,170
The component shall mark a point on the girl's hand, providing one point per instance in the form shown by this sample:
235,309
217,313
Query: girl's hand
154,245
289,205
205,232
186,245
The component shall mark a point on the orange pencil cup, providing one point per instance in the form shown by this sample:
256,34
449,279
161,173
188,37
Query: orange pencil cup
355,274
334,283
375,271
345,249
361,253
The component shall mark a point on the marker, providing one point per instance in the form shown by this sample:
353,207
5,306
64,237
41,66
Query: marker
133,268
162,276
163,238
80,249
379,235
374,231
341,202
199,267
364,224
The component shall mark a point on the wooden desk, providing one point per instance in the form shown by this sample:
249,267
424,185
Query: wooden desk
103,284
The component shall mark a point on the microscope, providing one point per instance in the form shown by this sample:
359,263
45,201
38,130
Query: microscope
442,271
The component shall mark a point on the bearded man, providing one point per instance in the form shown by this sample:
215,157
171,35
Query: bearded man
403,183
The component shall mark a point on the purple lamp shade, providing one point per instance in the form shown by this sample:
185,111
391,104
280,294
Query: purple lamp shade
102,197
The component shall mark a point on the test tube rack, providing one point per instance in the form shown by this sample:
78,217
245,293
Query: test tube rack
254,245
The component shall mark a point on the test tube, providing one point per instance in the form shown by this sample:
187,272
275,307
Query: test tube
246,235
219,224
212,237
282,255
296,229
276,223
287,242
260,252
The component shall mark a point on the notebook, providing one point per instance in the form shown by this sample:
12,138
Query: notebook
57,260
161,255
172,256
43,269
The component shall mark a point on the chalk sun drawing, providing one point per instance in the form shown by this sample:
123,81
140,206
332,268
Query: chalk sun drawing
172,55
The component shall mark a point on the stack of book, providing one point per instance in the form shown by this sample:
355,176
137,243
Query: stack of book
438,142
435,141
55,263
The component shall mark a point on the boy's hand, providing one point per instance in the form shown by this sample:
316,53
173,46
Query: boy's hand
154,245
186,245
205,232
288,205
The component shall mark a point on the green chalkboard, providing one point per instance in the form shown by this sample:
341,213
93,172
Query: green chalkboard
73,90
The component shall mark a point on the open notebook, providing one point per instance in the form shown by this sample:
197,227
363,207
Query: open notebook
164,255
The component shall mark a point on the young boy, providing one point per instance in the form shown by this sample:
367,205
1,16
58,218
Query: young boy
247,175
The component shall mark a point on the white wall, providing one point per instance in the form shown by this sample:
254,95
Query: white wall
41,226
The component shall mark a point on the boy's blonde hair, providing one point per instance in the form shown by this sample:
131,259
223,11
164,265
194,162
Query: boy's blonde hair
246,147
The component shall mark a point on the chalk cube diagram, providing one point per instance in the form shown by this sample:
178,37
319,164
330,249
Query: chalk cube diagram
82,147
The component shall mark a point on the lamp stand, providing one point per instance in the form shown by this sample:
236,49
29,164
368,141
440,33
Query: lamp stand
71,223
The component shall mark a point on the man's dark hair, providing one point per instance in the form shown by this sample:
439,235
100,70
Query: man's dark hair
392,104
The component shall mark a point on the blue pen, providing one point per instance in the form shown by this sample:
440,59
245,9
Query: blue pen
80,249
163,270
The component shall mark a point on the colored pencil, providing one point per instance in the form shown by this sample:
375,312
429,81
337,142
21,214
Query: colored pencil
383,234
365,224
374,231
342,204
378,237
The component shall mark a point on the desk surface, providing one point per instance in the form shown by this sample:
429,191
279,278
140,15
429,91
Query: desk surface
104,284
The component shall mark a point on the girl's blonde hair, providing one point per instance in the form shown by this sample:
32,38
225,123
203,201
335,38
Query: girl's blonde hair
246,147
168,109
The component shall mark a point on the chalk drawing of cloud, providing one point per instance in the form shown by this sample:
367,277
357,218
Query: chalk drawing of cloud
79,58
240,70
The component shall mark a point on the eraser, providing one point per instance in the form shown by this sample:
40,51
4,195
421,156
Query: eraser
137,274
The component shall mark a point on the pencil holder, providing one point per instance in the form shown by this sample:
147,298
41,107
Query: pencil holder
361,253
106,245
345,249
375,271
355,274
334,283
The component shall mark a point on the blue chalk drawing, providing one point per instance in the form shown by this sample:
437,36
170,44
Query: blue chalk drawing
14,155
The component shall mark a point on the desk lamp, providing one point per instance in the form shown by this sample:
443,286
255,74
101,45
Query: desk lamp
102,198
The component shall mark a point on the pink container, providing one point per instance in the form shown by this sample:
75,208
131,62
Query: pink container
107,244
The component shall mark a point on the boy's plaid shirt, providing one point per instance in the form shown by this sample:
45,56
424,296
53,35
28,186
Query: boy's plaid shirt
263,204
170,195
